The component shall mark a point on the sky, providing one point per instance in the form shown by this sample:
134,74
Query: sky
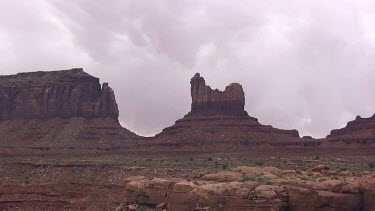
306,65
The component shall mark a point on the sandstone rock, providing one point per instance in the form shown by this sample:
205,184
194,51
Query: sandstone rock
66,93
60,112
178,197
234,196
206,100
309,199
225,176
319,168
288,172
217,122
358,133
248,170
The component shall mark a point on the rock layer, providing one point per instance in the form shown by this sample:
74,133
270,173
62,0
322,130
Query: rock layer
65,93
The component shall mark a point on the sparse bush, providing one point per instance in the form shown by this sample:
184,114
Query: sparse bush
196,183
316,157
225,166
269,182
298,171
259,163
209,159
26,179
149,160
322,179
191,159
371,165
344,169
246,179
145,207
304,178
335,178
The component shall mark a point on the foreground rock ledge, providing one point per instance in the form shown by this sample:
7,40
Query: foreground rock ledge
287,190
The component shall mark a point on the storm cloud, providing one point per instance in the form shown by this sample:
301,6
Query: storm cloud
307,65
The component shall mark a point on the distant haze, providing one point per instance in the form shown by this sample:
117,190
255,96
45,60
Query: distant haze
308,65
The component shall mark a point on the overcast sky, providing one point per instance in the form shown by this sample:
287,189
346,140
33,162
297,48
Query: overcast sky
308,65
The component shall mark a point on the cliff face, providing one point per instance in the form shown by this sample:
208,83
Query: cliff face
206,100
65,111
66,93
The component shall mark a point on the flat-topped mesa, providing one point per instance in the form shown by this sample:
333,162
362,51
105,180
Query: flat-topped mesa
207,100
358,127
64,93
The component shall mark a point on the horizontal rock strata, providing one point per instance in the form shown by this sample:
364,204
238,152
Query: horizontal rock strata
66,93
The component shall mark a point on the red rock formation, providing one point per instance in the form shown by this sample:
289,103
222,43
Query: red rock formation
359,132
218,121
58,110
66,93
206,100
359,125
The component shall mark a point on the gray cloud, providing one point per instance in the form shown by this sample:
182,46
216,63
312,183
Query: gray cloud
306,65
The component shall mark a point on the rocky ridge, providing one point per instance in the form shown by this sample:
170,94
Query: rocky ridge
360,131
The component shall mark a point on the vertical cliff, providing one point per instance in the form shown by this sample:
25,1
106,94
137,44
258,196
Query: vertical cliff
207,100
58,111
65,93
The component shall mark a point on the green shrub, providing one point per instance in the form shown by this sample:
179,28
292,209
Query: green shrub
322,179
246,179
269,182
191,159
298,171
26,179
209,159
259,163
335,178
225,166
149,160
316,158
371,165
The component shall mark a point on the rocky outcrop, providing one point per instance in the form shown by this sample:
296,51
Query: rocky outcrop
65,93
205,100
358,126
260,189
184,195
58,111
217,121
357,133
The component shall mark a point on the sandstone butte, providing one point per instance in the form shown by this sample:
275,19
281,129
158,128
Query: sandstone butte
65,109
70,111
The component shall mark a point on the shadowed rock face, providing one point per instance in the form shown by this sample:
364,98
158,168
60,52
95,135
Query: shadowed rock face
206,100
65,93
